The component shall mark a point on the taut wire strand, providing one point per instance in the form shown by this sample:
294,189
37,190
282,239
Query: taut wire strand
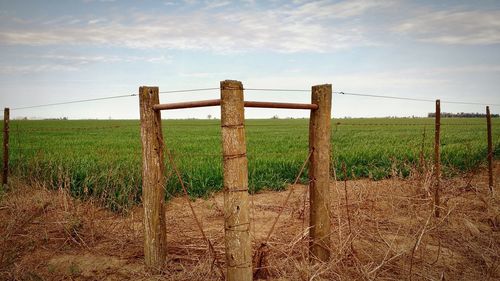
255,89
287,198
75,101
198,223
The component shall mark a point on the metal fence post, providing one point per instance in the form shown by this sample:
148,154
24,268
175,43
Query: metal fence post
6,119
490,149
437,158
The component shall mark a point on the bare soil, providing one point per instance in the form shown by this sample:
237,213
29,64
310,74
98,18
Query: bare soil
384,230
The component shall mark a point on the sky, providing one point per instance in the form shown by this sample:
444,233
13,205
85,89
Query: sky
55,51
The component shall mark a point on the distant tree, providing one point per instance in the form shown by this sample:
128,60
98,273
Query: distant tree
209,116
461,115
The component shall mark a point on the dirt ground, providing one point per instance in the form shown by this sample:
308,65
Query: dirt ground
382,230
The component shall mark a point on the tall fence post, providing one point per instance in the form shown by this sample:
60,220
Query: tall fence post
236,210
6,119
319,174
490,149
437,158
153,194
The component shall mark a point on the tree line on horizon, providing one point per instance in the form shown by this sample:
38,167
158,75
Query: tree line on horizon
462,115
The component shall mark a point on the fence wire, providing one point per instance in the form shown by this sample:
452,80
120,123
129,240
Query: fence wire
253,89
75,101
171,155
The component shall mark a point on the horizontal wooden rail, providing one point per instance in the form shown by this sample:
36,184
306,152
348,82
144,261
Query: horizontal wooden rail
263,104
188,104
205,103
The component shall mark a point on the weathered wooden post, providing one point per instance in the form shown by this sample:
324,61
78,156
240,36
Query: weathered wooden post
437,158
153,194
6,119
490,149
319,174
236,211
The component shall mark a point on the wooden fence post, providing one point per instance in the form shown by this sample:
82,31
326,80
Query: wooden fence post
236,211
437,158
319,174
153,194
6,119
490,149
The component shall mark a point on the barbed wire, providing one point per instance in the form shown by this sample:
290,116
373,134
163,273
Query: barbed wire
369,95
108,98
412,99
74,101
384,96
253,89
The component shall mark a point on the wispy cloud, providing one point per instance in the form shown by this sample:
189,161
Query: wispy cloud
64,63
212,4
476,68
339,10
289,28
203,74
454,27
82,60
36,68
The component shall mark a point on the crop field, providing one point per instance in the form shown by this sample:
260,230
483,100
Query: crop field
102,159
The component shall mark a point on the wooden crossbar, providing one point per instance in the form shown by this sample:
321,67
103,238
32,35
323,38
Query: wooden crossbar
259,104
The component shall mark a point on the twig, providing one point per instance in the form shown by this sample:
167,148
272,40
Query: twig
438,253
346,199
347,207
417,243
422,157
385,260
198,223
287,198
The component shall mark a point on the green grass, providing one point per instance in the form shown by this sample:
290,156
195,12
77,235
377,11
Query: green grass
102,159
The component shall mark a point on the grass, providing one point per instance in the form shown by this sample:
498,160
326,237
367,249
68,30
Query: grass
386,233
102,158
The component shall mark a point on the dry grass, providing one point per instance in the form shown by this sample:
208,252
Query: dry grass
47,235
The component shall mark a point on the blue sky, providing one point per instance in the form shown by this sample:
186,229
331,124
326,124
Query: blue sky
52,51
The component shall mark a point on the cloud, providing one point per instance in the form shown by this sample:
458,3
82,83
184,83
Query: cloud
477,68
82,60
203,74
290,28
36,68
213,4
454,27
339,10
95,21
63,63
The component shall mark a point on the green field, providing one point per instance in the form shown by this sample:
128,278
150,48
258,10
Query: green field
102,159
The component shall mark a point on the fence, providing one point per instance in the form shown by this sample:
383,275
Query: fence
238,252
237,241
